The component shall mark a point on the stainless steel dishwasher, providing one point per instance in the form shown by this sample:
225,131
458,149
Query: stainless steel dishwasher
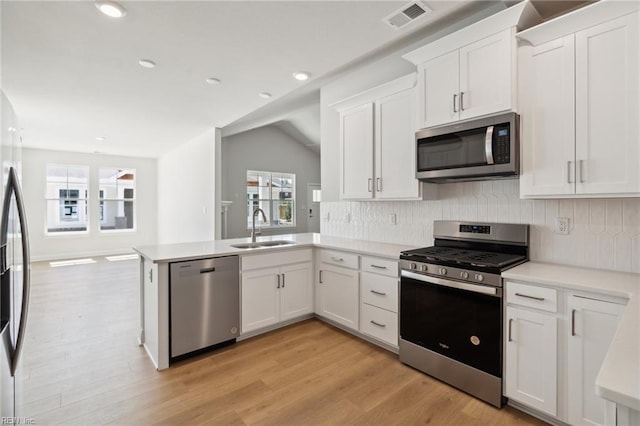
204,304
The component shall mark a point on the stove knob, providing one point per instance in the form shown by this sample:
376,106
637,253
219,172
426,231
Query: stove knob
443,271
424,268
464,275
479,277
413,266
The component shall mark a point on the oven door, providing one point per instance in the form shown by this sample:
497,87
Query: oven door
457,320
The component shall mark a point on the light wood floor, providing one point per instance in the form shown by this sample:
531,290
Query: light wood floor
82,365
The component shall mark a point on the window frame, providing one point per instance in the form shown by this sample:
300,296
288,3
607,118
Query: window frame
62,200
271,200
102,200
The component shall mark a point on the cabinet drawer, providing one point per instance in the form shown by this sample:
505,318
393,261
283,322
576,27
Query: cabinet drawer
275,259
542,298
380,266
379,291
379,323
339,258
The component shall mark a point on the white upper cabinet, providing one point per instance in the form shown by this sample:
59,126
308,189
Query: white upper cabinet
377,143
579,92
471,72
607,112
487,75
356,146
439,78
469,82
395,152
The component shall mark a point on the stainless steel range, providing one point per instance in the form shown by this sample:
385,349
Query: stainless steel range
451,304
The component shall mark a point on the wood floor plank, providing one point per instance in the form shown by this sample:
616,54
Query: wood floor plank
82,366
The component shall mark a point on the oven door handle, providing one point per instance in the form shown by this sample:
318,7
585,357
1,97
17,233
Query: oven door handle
491,291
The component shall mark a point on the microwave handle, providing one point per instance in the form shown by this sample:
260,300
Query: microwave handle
488,145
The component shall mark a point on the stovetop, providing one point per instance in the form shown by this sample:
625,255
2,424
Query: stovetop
463,257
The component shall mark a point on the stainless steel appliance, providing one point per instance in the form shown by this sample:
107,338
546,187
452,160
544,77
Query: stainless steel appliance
14,289
204,305
472,150
451,304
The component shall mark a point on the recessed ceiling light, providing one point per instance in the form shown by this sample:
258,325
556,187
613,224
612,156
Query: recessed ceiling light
265,95
213,81
100,138
301,75
147,63
111,8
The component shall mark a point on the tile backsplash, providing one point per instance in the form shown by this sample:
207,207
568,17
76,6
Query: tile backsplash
604,233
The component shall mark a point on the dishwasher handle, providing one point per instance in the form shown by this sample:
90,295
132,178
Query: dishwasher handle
207,270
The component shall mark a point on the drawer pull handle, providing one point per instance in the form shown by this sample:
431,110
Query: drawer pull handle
320,276
530,297
378,267
377,323
378,292
207,270
278,275
337,259
573,322
282,280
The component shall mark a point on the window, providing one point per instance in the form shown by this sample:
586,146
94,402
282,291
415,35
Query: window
66,198
117,188
275,194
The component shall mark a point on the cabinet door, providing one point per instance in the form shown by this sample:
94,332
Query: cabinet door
260,298
295,291
438,91
486,75
607,111
395,151
547,127
339,295
592,325
531,359
356,145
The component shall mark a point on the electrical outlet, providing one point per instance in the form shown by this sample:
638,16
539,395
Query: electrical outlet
393,219
562,225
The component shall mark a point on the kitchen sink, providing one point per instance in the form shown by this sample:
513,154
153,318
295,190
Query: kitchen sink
262,244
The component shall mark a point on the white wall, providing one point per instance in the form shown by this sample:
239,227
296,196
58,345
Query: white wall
604,234
265,149
186,191
94,242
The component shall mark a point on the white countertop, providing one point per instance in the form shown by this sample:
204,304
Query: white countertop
174,252
619,376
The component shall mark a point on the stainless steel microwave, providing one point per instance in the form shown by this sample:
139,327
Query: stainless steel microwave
485,148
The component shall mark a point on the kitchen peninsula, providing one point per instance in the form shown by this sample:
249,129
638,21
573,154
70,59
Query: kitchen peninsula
326,276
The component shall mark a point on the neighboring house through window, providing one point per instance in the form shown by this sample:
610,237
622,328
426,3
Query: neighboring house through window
66,197
117,190
275,194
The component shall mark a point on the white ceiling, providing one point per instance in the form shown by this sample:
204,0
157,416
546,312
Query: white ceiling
73,74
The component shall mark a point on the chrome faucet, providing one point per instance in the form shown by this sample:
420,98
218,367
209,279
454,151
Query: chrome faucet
253,226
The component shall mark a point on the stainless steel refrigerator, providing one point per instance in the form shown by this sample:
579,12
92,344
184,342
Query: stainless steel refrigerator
14,268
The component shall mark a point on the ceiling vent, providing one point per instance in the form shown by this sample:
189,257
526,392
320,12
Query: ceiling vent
406,14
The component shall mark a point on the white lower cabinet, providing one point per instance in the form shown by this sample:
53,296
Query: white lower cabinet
531,358
275,294
592,325
338,295
379,299
555,344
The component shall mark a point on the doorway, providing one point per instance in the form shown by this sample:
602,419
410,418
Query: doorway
313,207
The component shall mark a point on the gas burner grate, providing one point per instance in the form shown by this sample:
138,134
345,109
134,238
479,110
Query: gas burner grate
466,257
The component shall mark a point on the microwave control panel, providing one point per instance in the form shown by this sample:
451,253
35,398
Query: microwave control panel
501,144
